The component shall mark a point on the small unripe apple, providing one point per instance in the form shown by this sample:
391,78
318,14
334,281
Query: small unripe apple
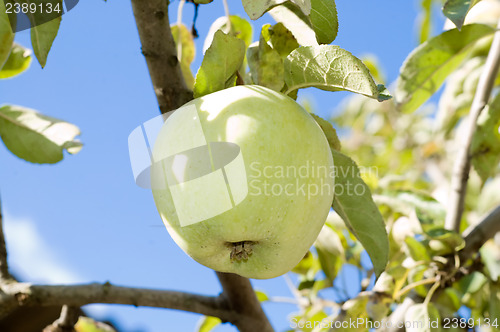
243,179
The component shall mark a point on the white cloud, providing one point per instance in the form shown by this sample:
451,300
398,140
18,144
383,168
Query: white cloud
30,257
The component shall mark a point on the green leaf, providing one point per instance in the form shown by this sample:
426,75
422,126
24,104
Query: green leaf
6,35
35,137
330,132
187,51
330,252
297,22
427,66
19,60
456,10
241,28
324,20
257,8
485,146
220,64
489,256
42,37
424,318
472,283
417,250
354,204
330,68
266,64
279,38
430,212
86,324
208,323
261,296
494,305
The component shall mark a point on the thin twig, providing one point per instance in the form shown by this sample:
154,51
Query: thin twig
66,321
414,285
228,16
179,32
462,164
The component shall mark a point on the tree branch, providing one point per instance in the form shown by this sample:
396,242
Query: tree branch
475,237
24,294
462,164
171,91
4,268
241,298
158,48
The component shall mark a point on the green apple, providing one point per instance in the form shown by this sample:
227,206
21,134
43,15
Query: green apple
243,179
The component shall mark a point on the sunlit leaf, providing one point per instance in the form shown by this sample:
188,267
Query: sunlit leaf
489,256
86,324
220,64
266,64
6,35
261,296
208,323
187,51
424,317
35,137
456,10
330,252
19,60
279,38
240,28
324,20
485,146
354,204
297,22
427,66
330,68
257,8
417,250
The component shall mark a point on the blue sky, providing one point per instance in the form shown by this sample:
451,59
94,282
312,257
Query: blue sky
84,219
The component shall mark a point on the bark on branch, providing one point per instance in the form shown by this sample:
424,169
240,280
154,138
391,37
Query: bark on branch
24,294
158,48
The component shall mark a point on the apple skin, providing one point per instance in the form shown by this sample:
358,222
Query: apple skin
271,130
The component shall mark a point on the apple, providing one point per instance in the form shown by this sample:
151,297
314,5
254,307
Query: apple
243,180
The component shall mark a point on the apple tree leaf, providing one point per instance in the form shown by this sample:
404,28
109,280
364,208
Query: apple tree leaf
187,53
416,250
494,305
324,20
427,66
330,132
266,64
86,324
456,10
208,323
220,64
354,204
489,257
424,314
241,28
261,296
297,22
279,38
18,61
42,37
6,35
330,68
485,146
330,252
257,8
35,137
